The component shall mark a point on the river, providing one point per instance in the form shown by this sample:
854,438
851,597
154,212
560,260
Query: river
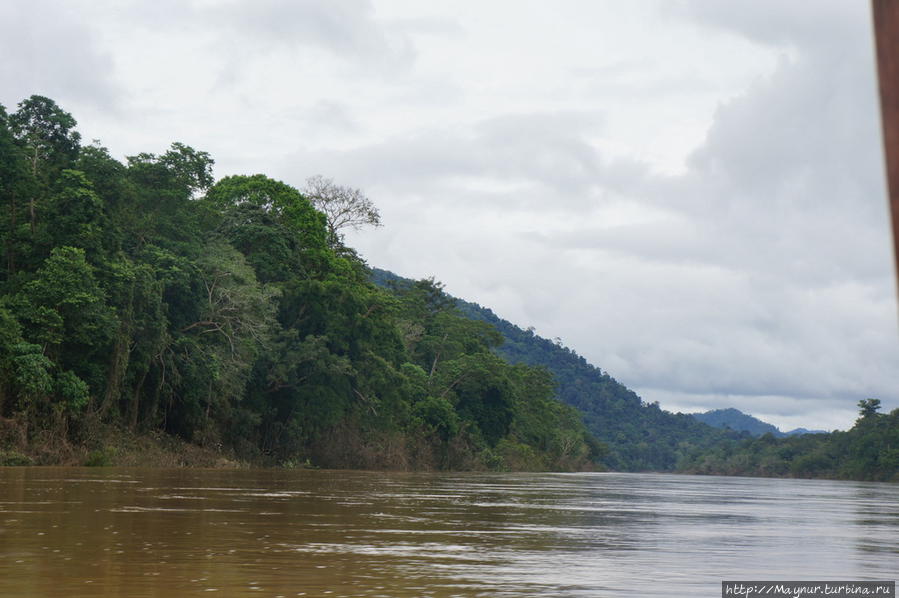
98,532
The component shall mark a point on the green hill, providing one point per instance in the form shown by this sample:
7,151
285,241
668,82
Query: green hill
735,419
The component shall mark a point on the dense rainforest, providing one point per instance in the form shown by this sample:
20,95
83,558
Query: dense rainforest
145,296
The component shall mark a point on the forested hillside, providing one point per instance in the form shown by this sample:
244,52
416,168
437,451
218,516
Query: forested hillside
640,436
145,296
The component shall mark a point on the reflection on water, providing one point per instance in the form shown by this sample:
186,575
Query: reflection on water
172,533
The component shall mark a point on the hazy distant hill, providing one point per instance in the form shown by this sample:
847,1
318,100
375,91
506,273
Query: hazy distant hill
735,419
640,435
801,431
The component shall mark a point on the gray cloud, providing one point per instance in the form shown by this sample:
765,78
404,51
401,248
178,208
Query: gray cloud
788,191
331,115
822,24
636,79
428,26
346,28
50,50
549,151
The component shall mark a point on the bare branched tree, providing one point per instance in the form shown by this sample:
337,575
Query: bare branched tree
342,206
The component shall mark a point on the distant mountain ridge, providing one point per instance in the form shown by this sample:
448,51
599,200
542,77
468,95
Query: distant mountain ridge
734,419
640,436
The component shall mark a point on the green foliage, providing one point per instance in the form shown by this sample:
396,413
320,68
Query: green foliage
75,214
14,459
71,390
230,313
100,457
182,169
868,407
47,137
191,168
13,179
439,417
64,309
30,372
282,203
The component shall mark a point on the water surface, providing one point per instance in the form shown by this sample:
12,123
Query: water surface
170,533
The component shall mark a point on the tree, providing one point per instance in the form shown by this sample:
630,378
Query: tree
234,306
75,214
191,167
868,407
12,173
164,212
342,206
64,310
214,354
47,133
270,222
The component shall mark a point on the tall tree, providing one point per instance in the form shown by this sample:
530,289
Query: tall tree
270,222
342,206
868,407
166,185
47,134
12,173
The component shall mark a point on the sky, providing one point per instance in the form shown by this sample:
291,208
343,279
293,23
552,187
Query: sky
688,193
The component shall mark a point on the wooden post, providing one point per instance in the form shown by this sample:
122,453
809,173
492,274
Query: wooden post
886,38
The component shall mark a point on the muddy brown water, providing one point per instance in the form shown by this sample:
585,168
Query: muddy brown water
102,532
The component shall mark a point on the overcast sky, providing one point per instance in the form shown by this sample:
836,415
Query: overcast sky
690,194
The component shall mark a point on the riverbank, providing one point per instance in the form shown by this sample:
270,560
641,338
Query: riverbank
107,445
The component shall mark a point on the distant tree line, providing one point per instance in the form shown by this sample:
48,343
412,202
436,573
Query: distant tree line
868,451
